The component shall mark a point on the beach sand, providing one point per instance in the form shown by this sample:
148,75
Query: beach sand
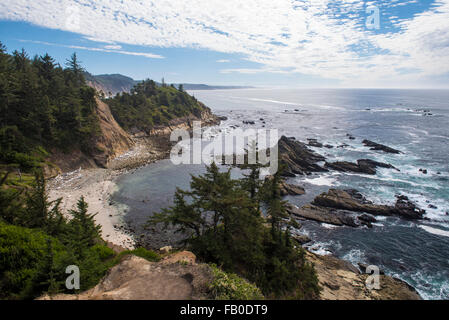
96,185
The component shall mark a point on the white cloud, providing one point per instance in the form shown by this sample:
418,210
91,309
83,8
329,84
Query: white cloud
105,49
223,61
309,37
113,47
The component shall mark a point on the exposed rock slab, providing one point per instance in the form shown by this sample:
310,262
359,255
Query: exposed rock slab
176,278
378,146
366,166
352,200
291,189
298,158
342,281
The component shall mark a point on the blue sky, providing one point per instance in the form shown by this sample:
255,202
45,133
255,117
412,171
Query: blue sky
314,43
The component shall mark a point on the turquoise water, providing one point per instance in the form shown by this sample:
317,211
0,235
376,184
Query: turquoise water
413,121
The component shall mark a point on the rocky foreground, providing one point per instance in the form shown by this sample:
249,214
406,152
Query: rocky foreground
180,277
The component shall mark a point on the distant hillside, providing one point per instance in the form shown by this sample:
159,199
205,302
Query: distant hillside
111,84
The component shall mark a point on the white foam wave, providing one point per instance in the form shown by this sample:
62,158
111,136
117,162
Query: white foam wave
324,180
329,226
436,231
273,101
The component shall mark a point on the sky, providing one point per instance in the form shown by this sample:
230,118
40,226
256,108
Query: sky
281,43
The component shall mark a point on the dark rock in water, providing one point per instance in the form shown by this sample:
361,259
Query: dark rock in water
248,122
324,215
367,218
297,110
366,166
315,213
378,146
314,143
407,209
375,164
223,118
342,199
431,206
328,146
261,119
351,200
350,137
297,158
291,189
345,166
424,171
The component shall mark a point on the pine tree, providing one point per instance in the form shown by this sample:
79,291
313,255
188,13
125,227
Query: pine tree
84,232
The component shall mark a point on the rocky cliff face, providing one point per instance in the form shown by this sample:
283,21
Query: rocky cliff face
340,280
111,141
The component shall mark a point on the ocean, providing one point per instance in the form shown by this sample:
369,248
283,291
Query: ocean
413,121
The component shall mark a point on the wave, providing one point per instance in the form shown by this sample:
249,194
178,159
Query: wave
324,180
274,101
436,231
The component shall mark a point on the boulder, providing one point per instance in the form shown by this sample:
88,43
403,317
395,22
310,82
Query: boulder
314,143
378,146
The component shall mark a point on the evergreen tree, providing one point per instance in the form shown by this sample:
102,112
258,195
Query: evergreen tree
84,232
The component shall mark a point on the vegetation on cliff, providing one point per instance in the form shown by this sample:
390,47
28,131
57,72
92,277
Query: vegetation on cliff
37,243
149,105
227,228
43,106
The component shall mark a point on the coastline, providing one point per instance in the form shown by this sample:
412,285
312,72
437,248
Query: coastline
97,185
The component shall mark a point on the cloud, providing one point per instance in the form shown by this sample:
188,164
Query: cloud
105,49
322,38
223,61
113,47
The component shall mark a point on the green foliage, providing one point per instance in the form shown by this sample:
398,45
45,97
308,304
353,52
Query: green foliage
148,105
36,250
229,286
23,259
226,227
43,106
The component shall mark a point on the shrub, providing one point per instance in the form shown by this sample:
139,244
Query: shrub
229,286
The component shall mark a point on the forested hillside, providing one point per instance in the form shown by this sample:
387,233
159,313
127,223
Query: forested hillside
43,106
149,104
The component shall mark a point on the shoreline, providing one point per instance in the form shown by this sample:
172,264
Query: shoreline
97,185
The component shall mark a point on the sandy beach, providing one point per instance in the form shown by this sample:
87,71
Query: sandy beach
97,185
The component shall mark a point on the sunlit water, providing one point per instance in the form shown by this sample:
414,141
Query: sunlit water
417,252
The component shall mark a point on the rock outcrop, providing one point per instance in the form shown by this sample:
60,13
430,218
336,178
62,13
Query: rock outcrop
365,166
343,207
111,141
340,280
378,146
291,189
297,158
178,277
